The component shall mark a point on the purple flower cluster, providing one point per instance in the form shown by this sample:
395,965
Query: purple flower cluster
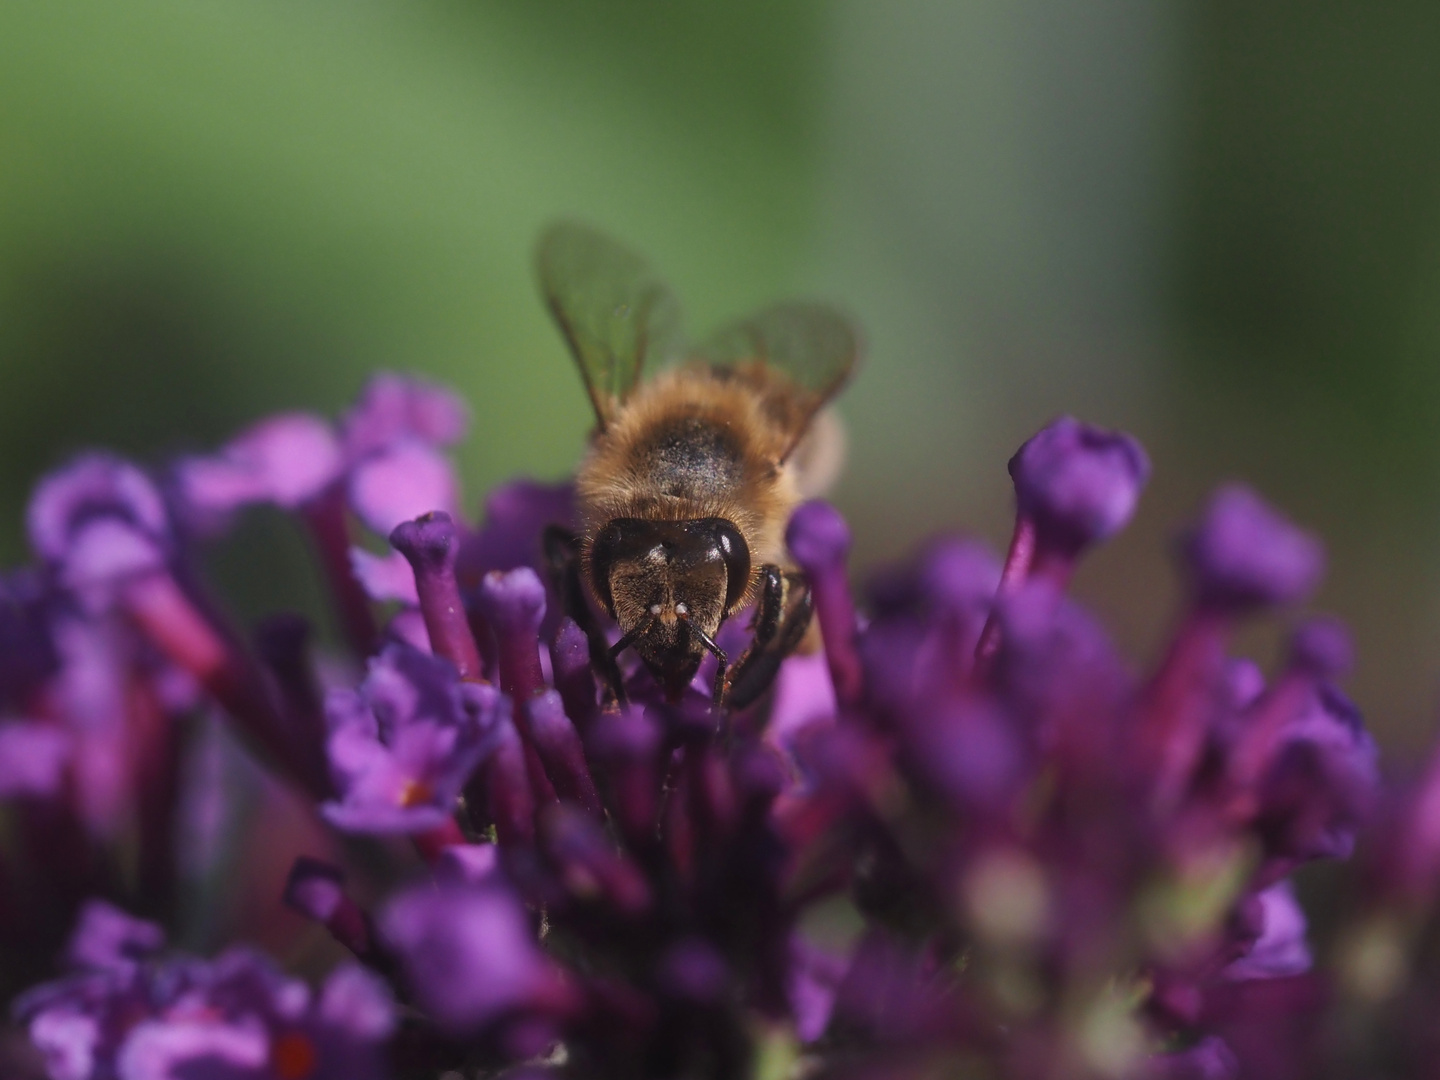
122,1012
961,836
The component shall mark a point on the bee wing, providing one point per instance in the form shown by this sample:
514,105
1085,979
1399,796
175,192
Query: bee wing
798,355
614,312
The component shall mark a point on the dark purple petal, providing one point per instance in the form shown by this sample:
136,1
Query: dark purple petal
385,577
819,540
1208,1059
1079,484
397,408
94,487
516,513
33,759
470,955
107,939
468,863
403,746
1280,949
402,483
1243,555
286,460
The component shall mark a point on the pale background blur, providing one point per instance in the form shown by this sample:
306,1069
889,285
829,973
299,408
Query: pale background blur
1214,222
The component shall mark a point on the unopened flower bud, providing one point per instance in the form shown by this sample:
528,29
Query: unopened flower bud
1079,484
1243,555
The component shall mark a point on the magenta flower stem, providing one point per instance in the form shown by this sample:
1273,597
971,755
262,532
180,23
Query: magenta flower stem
165,615
1175,713
325,519
1018,561
557,744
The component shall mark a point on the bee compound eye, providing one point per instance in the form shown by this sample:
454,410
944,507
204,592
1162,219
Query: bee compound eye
736,553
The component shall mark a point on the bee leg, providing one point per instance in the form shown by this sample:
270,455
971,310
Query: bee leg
780,623
721,661
562,556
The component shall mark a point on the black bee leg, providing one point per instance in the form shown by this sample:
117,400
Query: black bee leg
780,623
721,661
562,556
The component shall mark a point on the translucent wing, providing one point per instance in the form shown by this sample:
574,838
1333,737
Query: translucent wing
798,355
614,312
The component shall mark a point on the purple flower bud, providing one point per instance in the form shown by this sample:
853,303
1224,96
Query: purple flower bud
470,956
430,543
819,540
101,523
1243,555
93,487
107,939
1322,783
317,891
513,603
1079,484
558,745
287,460
1322,649
394,408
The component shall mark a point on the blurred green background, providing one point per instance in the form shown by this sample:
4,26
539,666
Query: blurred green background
1213,223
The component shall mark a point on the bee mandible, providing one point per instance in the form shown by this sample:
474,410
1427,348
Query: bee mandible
692,472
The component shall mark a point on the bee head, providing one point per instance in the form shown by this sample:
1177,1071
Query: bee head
663,580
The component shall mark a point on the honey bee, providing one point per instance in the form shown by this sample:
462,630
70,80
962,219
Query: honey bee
692,473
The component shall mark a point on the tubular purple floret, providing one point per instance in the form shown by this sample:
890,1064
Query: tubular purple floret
430,544
509,796
588,861
574,677
316,890
325,519
1320,649
819,540
558,744
513,603
1243,556
628,744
